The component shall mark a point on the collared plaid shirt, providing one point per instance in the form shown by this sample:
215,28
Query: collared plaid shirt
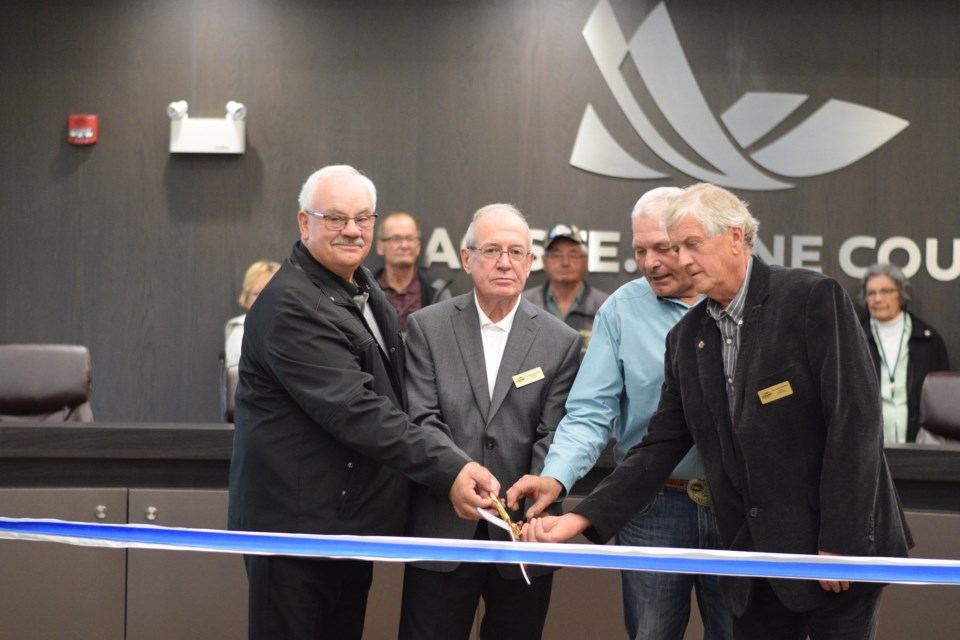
730,321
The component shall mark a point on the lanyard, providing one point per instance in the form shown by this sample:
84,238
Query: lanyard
891,371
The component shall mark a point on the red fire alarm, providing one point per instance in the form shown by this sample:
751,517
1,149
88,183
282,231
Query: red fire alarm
82,128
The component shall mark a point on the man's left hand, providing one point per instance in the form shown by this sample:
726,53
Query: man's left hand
544,491
833,585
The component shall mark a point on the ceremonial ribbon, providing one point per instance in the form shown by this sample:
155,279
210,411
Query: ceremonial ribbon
395,549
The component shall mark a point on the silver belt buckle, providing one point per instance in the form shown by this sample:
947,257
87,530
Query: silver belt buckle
699,492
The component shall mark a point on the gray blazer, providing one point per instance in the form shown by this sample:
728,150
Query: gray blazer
447,390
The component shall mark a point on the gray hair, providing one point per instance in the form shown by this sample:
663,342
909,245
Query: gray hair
893,272
716,209
654,202
470,239
310,185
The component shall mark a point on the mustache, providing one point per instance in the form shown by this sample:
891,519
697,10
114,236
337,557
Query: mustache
350,242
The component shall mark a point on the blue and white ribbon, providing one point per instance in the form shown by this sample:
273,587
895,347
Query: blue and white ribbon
392,549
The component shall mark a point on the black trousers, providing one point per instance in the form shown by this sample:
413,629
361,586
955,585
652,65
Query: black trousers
307,599
442,606
849,616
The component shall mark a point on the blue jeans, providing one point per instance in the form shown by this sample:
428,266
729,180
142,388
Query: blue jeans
656,606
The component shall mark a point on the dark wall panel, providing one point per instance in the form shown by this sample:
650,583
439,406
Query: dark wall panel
446,105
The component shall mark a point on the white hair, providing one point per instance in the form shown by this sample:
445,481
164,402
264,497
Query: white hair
490,208
654,202
715,208
311,183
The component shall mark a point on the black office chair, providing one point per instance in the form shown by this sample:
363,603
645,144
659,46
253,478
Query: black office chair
940,406
45,382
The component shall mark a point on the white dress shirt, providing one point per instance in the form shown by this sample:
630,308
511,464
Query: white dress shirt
494,336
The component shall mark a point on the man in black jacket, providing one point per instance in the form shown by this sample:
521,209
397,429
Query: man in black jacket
321,438
771,378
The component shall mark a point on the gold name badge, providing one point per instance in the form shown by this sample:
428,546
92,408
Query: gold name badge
525,378
775,392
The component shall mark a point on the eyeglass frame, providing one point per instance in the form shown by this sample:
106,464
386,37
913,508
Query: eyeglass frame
877,293
490,248
560,255
325,218
399,239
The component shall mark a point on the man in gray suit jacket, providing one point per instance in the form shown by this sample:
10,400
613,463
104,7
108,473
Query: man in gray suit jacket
771,378
490,371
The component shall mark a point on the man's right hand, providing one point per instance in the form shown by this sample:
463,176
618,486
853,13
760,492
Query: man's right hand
554,528
544,492
471,489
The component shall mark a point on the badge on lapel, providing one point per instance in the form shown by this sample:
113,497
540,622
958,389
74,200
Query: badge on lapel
525,378
775,392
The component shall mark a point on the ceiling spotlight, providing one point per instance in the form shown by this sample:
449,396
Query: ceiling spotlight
236,110
177,110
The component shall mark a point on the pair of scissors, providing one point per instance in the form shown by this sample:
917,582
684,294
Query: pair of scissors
504,523
502,510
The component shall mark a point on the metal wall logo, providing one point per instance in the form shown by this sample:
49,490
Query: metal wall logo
837,134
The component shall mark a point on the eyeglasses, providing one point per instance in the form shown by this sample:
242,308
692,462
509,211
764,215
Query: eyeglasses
333,222
875,293
559,255
492,252
399,239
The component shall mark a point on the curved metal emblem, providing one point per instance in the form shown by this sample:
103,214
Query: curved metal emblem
835,135
699,492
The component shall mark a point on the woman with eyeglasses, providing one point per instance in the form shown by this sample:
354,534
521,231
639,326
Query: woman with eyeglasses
904,347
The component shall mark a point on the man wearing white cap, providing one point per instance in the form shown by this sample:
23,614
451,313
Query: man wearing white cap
566,294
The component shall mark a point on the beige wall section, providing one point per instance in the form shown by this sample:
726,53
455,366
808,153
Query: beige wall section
50,590
172,594
383,606
918,611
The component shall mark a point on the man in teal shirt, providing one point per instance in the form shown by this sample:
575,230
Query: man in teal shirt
615,394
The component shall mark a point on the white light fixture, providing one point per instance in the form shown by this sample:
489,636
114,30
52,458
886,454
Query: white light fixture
177,110
207,135
236,110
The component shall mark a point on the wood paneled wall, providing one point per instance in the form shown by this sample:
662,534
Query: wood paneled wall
447,105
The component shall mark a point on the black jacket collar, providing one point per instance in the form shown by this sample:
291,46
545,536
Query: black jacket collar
328,280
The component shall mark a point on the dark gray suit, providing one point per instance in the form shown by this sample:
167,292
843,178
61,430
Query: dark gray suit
510,434
797,474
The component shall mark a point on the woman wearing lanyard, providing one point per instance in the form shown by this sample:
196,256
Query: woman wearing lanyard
905,349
